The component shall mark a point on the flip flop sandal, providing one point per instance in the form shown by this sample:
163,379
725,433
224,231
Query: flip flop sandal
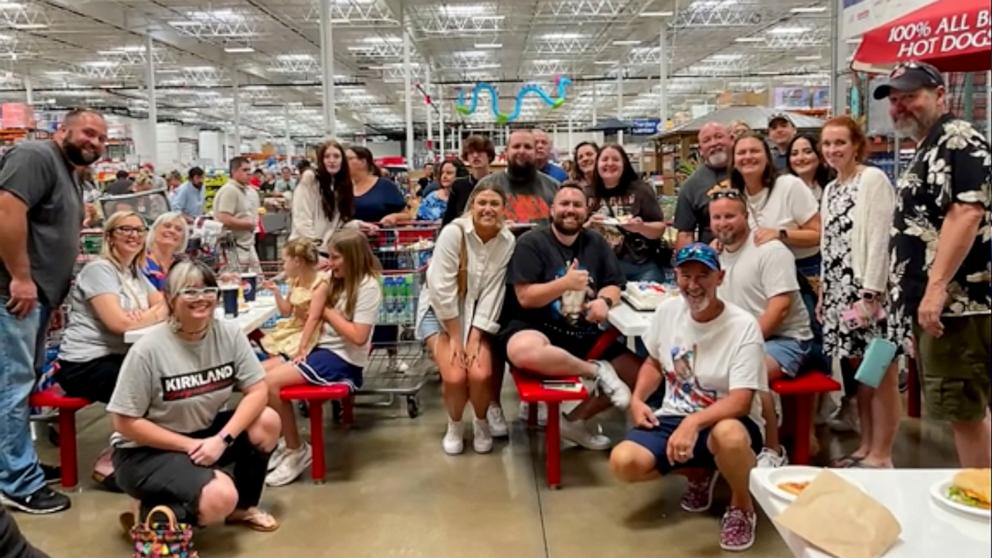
845,462
863,465
256,520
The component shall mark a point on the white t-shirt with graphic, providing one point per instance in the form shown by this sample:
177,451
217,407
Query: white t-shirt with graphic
702,362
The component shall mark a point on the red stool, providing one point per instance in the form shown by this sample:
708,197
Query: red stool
67,406
798,396
531,389
316,396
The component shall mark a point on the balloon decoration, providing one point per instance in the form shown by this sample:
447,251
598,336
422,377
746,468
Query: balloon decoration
561,83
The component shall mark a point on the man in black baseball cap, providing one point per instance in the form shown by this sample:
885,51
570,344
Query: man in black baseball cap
781,130
940,257
910,76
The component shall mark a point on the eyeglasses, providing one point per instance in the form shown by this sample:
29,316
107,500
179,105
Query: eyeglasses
726,193
191,294
127,230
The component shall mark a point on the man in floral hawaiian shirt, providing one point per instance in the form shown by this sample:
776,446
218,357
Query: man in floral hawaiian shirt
942,257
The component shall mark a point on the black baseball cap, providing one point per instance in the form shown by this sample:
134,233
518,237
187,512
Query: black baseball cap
910,76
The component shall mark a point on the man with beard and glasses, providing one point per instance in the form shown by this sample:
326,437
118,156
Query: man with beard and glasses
562,281
761,279
528,191
941,257
41,215
692,219
708,357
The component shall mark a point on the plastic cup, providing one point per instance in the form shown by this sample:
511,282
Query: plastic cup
229,294
249,285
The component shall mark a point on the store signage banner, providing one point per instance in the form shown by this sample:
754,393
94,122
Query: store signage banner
645,126
954,35
17,115
860,16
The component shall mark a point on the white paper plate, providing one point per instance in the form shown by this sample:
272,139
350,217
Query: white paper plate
939,493
797,473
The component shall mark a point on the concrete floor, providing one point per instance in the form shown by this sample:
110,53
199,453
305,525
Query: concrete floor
391,492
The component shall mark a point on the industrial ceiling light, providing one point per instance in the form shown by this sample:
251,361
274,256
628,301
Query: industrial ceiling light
606,62
488,45
238,49
665,13
749,40
561,36
809,58
626,43
809,10
28,26
788,30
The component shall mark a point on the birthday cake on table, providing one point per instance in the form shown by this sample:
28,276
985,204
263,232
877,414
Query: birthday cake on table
643,295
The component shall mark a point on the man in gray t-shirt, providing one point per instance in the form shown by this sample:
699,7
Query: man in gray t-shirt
692,218
41,214
236,207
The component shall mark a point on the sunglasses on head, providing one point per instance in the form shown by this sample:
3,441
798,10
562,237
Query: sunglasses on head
913,65
726,193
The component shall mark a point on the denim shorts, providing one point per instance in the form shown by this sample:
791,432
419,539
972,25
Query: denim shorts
323,368
655,441
790,354
429,326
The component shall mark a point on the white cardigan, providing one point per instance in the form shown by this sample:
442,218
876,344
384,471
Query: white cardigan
874,208
486,274
309,220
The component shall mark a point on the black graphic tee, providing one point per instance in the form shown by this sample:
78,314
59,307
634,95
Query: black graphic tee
181,386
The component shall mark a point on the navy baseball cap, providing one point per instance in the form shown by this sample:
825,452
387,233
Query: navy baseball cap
909,76
698,252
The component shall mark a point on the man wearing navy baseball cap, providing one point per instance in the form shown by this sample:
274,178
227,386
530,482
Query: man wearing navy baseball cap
940,262
710,356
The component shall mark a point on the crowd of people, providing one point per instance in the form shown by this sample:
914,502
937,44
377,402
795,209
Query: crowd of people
791,252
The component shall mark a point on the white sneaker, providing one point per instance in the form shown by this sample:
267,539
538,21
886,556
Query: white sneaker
482,441
278,455
291,467
611,384
542,413
577,432
454,439
497,422
771,459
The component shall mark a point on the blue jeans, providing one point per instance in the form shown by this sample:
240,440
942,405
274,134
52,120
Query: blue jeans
20,474
647,271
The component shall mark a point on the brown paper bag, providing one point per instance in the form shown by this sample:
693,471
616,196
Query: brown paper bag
840,519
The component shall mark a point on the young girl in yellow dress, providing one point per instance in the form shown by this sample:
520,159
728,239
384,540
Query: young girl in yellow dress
299,259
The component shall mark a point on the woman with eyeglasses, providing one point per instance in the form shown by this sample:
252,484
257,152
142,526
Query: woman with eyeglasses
780,207
109,297
172,435
625,210
806,162
167,238
858,208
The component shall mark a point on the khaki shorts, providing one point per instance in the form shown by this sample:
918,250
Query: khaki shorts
956,379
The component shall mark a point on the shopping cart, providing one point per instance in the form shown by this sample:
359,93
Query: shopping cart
399,365
149,204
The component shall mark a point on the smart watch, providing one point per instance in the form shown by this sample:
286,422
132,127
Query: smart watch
868,296
783,235
228,440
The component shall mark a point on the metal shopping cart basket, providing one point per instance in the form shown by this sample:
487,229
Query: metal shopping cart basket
399,365
149,204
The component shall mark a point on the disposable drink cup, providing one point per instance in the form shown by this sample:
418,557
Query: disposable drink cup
249,285
229,294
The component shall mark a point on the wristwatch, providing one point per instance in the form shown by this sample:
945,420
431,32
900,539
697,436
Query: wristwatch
868,296
610,303
783,235
228,440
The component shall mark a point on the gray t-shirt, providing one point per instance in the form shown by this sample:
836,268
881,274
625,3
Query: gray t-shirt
692,211
181,385
241,202
86,337
38,174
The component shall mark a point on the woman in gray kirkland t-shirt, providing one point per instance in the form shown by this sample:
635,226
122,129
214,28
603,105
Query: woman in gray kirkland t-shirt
171,435
110,296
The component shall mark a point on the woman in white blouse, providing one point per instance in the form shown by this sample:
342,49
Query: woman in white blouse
779,207
465,289
323,200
